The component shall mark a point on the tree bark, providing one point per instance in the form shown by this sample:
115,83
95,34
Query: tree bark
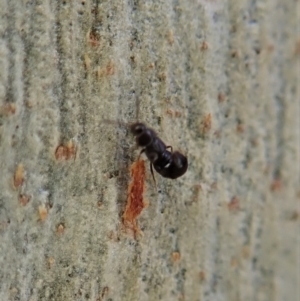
218,80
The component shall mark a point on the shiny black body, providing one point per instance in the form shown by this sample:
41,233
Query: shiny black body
169,164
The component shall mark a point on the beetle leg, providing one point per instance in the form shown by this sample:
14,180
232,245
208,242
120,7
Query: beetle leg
152,173
142,151
169,146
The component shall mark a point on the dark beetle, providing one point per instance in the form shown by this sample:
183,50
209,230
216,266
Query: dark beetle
169,164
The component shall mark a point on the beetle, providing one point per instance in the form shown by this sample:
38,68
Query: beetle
167,163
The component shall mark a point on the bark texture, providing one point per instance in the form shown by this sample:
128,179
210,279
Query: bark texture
217,80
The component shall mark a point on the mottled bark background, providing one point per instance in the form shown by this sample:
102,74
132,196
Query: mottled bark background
218,81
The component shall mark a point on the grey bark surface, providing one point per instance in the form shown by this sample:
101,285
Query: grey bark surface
229,228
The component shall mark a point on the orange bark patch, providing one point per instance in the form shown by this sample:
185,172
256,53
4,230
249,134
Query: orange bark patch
66,151
135,199
24,199
202,276
93,37
196,193
204,46
276,185
221,97
234,204
8,109
60,229
43,213
240,128
206,124
175,256
19,176
174,113
108,70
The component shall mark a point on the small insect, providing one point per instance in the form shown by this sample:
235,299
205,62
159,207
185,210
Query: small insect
169,164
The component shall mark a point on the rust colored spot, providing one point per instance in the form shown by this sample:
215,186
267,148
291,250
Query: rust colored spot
43,213
204,46
202,276
8,109
135,199
24,199
178,114
170,112
66,151
71,150
175,257
240,128
93,38
60,229
19,176
151,65
206,124
108,70
196,192
174,113
60,153
276,185
221,97
234,204
162,76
